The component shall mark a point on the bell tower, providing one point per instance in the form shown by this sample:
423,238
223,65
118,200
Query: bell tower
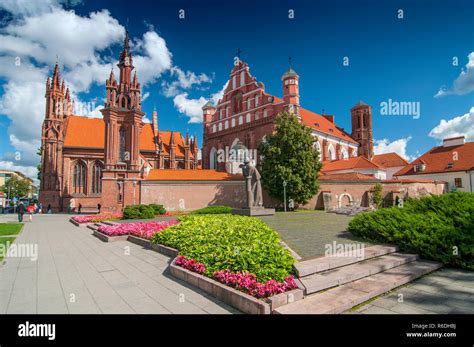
361,115
291,93
58,107
123,123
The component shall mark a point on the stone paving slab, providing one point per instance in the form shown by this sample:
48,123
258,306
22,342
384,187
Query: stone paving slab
77,273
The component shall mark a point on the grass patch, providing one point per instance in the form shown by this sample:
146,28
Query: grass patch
10,228
230,242
213,210
3,242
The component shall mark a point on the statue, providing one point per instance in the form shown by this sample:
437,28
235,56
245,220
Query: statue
254,190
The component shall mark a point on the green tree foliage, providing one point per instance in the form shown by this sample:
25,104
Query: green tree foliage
376,195
289,155
39,167
436,227
18,187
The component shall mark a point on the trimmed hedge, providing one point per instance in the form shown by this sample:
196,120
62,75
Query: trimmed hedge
142,211
230,242
214,210
440,228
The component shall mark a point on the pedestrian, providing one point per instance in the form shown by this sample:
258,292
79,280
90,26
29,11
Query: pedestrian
40,208
71,206
79,208
36,207
30,209
21,211
49,209
99,206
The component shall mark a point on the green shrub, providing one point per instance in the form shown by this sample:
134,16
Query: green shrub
138,212
158,209
213,210
440,228
236,243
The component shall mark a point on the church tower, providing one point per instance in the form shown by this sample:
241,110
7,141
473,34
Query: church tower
291,93
58,107
362,129
123,123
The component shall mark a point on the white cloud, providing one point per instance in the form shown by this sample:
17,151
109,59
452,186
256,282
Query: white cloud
463,84
19,8
193,107
184,80
30,171
398,146
457,126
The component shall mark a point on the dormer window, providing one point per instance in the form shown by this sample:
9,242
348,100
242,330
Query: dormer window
450,165
317,124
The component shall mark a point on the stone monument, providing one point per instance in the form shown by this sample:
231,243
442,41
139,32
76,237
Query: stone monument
253,190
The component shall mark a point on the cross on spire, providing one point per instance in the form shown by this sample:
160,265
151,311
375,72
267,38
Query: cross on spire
238,53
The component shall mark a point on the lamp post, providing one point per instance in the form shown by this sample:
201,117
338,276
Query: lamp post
284,195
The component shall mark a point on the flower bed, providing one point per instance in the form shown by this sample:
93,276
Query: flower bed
244,281
144,230
95,218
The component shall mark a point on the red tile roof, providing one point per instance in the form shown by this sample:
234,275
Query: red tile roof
350,176
438,158
88,132
389,160
347,164
322,124
190,175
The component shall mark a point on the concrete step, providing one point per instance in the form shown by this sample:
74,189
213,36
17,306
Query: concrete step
312,266
342,275
346,296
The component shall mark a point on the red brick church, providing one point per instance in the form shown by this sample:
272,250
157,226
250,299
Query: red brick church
102,160
246,114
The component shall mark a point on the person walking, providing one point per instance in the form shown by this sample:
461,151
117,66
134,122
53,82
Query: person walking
21,211
49,210
79,208
40,208
71,206
30,209
99,206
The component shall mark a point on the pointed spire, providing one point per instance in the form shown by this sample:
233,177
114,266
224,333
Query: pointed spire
126,41
48,84
172,143
195,144
68,97
187,139
56,76
63,86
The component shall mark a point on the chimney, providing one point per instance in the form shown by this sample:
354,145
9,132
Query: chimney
329,117
454,141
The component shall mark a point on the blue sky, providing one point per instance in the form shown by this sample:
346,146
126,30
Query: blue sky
181,62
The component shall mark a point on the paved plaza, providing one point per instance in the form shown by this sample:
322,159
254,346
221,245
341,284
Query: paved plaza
77,273
308,232
442,292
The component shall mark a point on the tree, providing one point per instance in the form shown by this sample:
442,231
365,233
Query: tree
39,167
289,155
376,195
16,187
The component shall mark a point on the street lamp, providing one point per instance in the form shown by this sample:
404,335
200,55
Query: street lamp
284,194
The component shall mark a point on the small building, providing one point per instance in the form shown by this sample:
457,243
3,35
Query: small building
452,162
391,162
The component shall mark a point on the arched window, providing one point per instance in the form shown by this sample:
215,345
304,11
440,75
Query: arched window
123,102
220,126
344,154
226,124
213,158
331,153
214,128
265,113
248,103
242,78
248,118
232,122
241,120
96,178
317,146
79,178
234,82
122,145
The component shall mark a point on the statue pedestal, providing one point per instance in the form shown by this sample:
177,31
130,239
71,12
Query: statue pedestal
254,211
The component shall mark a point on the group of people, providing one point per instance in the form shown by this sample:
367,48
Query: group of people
72,207
31,209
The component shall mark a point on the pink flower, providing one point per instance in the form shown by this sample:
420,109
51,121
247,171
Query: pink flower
144,230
